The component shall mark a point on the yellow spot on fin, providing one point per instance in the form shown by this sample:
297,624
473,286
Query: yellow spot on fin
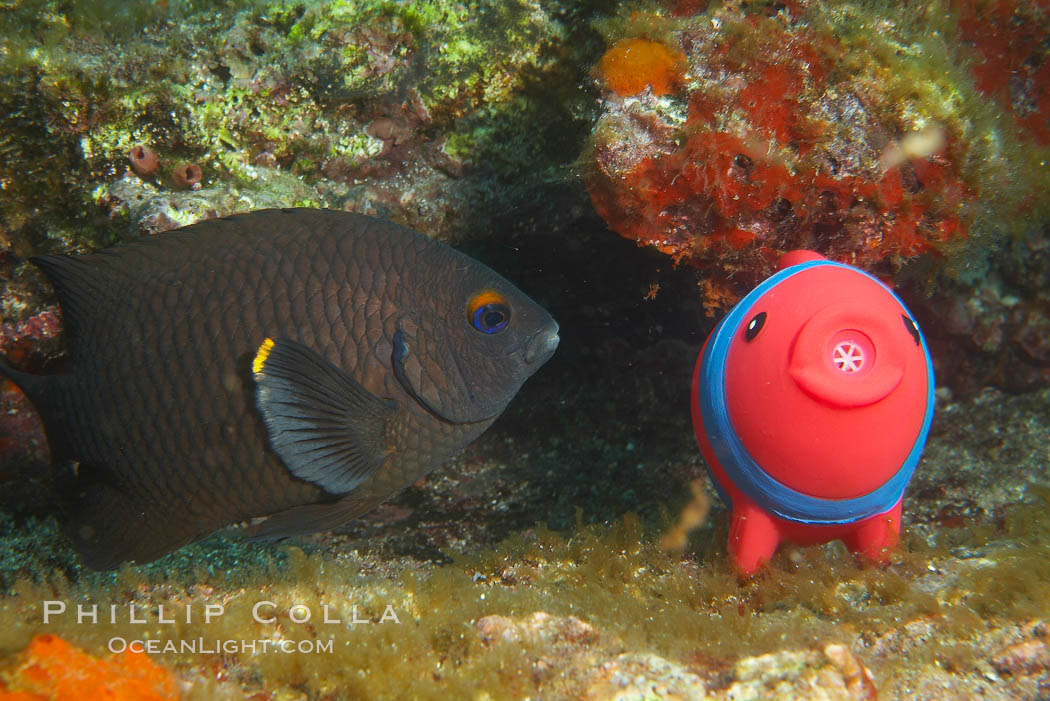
261,355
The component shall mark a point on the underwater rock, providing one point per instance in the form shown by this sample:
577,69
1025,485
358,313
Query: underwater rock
1011,67
984,454
367,91
540,626
32,341
833,673
637,676
22,439
995,330
421,112
804,127
1024,659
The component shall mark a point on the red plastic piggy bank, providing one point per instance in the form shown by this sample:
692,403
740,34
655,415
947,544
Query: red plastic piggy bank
811,401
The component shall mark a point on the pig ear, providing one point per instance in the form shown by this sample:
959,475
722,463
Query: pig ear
326,428
797,257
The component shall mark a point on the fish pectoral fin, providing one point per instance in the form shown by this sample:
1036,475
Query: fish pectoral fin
311,518
326,427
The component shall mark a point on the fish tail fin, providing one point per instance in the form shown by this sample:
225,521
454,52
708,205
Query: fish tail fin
33,386
45,393
109,526
76,280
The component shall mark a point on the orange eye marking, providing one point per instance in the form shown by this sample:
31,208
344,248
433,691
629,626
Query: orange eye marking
482,298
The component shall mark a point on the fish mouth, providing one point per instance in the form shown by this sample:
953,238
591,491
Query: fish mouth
468,403
542,345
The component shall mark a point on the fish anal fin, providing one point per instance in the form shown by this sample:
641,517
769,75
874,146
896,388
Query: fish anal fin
109,527
326,427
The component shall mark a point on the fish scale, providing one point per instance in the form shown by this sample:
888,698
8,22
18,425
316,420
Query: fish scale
173,403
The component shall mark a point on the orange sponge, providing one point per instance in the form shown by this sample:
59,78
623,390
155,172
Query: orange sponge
54,670
632,64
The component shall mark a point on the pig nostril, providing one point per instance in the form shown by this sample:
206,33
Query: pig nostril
848,356
849,351
835,361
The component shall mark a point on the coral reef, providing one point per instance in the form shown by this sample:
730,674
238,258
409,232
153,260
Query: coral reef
427,113
1010,38
853,129
388,96
521,568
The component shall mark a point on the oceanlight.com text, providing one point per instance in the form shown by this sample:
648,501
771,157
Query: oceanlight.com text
201,646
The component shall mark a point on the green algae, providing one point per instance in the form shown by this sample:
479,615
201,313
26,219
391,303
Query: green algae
928,614
614,579
290,80
439,115
31,548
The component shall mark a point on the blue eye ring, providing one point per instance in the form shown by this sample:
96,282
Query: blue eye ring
488,312
491,318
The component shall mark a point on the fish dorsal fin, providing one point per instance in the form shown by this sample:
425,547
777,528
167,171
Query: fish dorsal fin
327,428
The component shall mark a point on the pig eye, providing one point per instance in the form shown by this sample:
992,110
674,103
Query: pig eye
754,326
912,329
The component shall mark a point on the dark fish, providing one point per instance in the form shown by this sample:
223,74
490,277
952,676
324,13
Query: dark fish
297,364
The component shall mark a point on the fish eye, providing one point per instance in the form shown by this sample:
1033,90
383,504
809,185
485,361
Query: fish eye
754,326
912,329
488,312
